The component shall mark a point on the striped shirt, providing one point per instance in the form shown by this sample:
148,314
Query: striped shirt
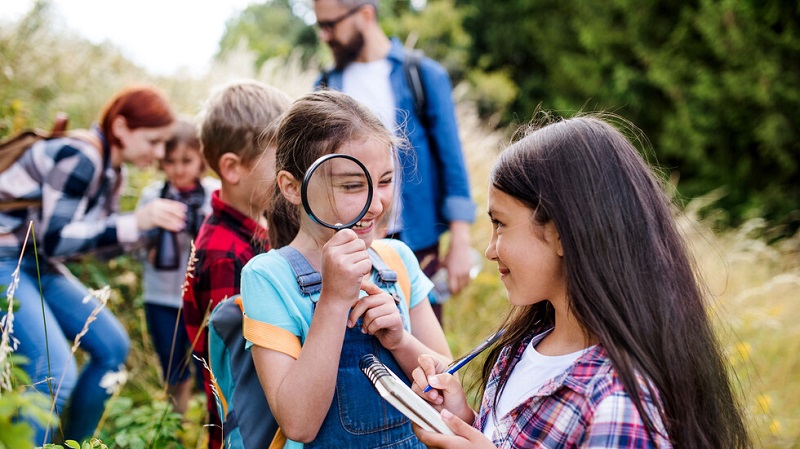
79,191
586,406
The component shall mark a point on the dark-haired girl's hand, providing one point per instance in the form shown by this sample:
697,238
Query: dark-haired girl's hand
446,392
380,314
465,436
345,262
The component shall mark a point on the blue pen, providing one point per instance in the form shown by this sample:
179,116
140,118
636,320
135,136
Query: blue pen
457,364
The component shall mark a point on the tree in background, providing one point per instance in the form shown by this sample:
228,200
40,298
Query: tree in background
270,29
713,84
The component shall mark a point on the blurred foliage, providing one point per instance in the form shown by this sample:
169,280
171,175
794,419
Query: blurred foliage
93,443
684,72
46,68
16,402
269,30
714,84
437,31
153,425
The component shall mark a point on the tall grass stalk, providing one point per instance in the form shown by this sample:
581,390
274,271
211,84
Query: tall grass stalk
214,390
9,344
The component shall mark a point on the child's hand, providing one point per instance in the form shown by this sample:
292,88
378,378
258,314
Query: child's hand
345,262
161,213
465,435
447,391
381,317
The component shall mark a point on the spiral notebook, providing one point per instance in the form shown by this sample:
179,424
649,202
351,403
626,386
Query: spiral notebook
403,398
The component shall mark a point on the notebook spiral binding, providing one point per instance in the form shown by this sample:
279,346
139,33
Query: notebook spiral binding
373,370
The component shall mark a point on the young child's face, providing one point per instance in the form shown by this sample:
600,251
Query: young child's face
377,158
183,166
528,256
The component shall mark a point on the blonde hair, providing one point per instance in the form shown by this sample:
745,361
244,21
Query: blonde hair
240,118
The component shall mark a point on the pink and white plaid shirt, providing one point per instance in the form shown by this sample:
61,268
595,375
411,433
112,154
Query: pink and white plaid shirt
586,406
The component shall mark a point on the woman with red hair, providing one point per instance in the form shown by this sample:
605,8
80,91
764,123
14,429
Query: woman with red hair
75,183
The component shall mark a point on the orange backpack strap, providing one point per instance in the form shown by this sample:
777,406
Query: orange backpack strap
393,261
269,336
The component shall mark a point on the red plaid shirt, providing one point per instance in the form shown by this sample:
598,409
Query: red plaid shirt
225,243
586,406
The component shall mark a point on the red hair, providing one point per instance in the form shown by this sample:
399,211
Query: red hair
142,107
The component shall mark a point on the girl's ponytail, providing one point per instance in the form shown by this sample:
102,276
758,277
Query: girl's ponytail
283,219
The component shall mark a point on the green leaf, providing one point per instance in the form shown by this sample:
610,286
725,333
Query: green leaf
16,435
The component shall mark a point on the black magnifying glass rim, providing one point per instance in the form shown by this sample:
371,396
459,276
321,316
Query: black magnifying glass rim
304,191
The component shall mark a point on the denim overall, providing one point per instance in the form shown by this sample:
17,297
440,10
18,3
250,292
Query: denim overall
358,417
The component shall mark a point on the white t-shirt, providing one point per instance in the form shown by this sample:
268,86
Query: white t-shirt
368,83
529,375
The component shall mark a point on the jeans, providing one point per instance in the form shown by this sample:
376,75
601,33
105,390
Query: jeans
166,328
358,417
46,331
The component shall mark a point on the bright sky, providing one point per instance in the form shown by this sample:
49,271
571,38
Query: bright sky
163,36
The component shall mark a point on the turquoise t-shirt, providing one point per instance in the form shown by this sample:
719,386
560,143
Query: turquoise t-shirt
270,292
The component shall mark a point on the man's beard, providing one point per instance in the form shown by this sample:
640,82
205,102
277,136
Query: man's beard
347,52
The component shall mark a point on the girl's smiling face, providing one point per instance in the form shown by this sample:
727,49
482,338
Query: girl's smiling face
338,190
529,257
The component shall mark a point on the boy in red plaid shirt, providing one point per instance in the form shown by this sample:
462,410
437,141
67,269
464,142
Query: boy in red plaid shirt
237,131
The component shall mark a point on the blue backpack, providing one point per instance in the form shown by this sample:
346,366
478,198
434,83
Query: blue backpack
247,422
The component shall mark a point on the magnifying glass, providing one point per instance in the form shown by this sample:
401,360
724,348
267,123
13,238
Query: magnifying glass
336,191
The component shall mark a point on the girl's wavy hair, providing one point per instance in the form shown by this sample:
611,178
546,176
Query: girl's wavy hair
630,279
315,125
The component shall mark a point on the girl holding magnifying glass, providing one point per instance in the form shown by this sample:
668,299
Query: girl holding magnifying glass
307,355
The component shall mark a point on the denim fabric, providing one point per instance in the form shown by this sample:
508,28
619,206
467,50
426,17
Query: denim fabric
358,417
166,328
65,313
435,178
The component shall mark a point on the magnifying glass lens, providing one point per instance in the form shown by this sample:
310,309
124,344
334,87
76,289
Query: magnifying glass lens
338,192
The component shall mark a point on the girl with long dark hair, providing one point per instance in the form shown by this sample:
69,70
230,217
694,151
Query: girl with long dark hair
609,343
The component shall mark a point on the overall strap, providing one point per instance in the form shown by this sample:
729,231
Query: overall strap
309,280
386,275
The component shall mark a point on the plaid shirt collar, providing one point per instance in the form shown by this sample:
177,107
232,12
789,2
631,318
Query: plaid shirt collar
246,227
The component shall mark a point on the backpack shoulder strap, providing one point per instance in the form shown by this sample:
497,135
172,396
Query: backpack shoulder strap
390,257
269,336
412,60
324,77
87,136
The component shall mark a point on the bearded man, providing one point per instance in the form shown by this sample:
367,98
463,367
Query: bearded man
432,194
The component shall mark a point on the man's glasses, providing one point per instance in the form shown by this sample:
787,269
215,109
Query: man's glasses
329,25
